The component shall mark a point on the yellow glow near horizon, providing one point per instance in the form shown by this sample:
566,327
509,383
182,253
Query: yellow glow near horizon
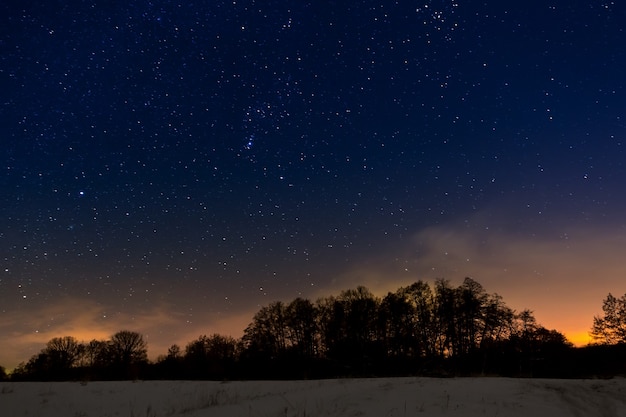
579,338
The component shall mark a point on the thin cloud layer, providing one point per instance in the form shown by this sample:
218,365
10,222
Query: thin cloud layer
562,278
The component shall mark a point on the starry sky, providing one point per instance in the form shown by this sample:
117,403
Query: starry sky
170,167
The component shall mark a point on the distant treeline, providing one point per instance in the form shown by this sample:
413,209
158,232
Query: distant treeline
422,329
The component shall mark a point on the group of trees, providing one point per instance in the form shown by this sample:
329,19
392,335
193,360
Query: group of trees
121,357
421,329
417,329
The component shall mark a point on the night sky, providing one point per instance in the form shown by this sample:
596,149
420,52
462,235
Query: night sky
169,167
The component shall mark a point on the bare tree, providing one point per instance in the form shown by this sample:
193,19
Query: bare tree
498,321
64,352
350,329
471,299
424,321
128,348
398,325
302,327
445,318
266,335
96,354
611,328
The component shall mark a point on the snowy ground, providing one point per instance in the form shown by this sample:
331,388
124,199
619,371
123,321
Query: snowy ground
341,397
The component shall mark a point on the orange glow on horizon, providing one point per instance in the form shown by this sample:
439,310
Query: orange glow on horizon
579,338
563,284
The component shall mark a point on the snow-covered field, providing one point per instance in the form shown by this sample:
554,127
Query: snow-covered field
341,397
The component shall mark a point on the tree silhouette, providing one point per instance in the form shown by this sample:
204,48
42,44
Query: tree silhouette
611,328
350,327
96,354
446,338
497,321
174,353
266,336
63,353
301,320
470,303
171,365
396,324
210,357
128,350
425,327
421,329
54,362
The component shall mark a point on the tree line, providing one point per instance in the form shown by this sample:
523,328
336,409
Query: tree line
421,329
123,356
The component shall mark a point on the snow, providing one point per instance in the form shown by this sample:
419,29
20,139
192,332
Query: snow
339,397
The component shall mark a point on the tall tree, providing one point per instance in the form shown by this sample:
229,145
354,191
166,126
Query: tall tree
302,327
396,318
445,316
497,321
424,322
350,331
611,328
470,303
266,335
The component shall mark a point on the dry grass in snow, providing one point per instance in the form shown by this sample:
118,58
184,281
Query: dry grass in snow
341,397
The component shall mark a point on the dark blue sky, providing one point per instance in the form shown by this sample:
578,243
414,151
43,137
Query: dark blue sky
172,166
